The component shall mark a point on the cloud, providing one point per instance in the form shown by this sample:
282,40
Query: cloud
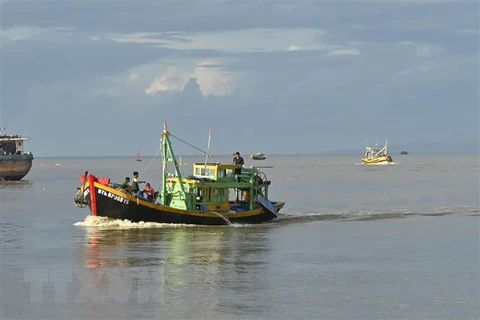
342,52
133,77
399,64
429,51
250,40
212,80
21,33
171,80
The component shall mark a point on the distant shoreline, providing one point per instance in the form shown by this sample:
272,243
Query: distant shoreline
272,155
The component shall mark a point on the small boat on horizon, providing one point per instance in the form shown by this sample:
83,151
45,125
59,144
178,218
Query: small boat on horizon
15,163
138,156
214,194
258,156
376,155
404,152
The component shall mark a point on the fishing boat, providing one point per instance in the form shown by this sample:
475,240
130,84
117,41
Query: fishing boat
214,194
376,155
138,156
258,156
15,163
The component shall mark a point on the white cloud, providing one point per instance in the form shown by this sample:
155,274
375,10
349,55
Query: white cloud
350,52
250,40
171,80
133,77
414,72
21,33
212,80
26,32
425,52
139,37
428,51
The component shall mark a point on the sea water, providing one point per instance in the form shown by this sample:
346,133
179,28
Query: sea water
353,242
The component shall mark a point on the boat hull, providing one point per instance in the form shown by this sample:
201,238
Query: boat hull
258,156
15,167
118,204
377,161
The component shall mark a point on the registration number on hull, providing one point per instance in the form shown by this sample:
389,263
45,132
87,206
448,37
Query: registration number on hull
112,196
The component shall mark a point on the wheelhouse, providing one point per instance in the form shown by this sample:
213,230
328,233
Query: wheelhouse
12,144
215,187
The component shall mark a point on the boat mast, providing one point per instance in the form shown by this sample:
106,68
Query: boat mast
208,146
169,155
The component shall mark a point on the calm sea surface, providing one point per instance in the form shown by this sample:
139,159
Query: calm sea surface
353,242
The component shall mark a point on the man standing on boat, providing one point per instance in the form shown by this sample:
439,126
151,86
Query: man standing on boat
238,159
135,186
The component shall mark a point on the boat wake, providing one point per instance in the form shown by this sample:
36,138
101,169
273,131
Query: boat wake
375,164
105,223
109,223
367,216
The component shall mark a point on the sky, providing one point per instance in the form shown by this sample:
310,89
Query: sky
100,77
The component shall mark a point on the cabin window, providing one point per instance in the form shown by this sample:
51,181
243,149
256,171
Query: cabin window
204,193
221,173
9,148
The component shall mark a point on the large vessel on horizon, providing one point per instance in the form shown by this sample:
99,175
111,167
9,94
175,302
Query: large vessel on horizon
15,163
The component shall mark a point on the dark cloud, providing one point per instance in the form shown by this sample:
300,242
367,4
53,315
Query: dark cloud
45,61
195,16
286,102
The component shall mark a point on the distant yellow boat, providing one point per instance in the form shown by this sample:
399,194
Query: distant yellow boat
376,156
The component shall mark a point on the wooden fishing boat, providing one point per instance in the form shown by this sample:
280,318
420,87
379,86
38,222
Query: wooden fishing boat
15,163
376,155
214,194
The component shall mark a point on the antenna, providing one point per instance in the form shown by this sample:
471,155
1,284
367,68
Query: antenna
208,146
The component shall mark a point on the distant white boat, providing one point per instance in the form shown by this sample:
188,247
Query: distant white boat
258,156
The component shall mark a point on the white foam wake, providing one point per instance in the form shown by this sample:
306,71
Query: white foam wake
108,223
